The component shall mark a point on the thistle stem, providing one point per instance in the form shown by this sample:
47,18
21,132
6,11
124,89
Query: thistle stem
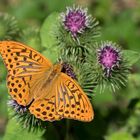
67,129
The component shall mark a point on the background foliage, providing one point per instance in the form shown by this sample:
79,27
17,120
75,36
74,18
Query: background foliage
117,114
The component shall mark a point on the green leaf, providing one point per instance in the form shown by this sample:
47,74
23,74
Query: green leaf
48,30
14,131
48,38
131,56
51,54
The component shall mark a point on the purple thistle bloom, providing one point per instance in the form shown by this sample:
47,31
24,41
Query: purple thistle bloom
18,108
67,69
109,57
76,20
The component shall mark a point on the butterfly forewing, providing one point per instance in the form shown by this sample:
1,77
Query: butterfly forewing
22,60
25,66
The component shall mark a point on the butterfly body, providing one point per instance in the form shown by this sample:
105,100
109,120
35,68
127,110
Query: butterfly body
53,73
45,82
33,80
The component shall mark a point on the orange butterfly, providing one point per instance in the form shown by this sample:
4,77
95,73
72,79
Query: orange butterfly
33,80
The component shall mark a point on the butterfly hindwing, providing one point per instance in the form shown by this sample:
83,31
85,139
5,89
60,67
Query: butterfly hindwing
68,101
45,110
19,89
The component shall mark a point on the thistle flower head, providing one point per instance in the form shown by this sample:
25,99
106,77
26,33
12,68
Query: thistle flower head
24,117
108,66
109,57
18,108
75,20
68,69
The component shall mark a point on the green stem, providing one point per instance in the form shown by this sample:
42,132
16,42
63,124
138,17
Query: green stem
67,129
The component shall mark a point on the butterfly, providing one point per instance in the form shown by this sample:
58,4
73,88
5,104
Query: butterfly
33,81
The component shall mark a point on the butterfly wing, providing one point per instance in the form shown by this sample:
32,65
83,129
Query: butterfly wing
68,101
21,88
22,60
24,66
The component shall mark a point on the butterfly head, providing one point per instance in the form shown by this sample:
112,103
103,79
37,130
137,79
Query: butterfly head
57,67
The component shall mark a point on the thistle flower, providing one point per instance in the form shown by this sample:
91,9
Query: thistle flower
68,69
77,31
18,108
107,65
76,20
109,57
24,117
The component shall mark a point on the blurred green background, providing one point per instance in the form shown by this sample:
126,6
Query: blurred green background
117,115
